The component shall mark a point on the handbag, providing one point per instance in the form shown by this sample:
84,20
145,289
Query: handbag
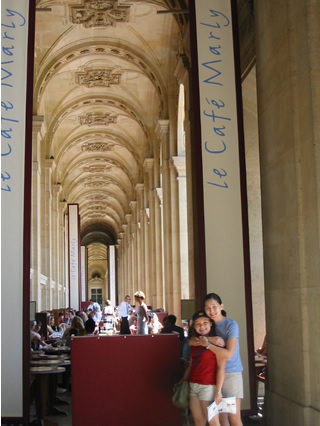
180,398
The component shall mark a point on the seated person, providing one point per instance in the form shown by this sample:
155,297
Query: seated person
90,326
37,341
154,326
68,318
62,325
92,314
83,316
76,324
132,320
51,328
71,332
169,326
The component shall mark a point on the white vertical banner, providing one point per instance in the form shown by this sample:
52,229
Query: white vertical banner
112,274
14,52
223,220
74,256
83,272
66,257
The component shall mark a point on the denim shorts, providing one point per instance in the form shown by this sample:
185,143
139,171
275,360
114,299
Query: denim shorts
232,385
202,392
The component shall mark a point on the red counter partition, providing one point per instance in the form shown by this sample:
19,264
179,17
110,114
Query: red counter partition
125,380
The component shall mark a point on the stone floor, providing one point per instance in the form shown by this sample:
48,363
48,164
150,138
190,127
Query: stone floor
63,420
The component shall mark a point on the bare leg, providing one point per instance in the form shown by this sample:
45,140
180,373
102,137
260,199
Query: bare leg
200,419
215,421
235,419
232,419
224,421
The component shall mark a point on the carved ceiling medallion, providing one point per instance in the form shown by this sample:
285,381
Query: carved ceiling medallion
98,119
98,77
99,13
96,169
97,147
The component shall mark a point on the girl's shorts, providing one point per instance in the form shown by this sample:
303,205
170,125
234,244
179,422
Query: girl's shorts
232,386
202,392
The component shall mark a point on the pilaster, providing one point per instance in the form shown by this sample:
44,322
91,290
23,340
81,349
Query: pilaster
163,134
288,82
151,285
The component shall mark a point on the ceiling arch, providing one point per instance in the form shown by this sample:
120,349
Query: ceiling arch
101,90
134,58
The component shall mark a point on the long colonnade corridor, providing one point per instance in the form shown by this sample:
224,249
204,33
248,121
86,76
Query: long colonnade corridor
170,148
113,156
106,139
113,153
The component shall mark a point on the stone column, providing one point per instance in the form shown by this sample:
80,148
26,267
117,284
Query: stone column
46,231
158,265
147,259
180,165
121,272
160,300
162,131
288,82
130,252
183,74
175,237
134,243
140,233
35,288
149,167
62,284
127,258
56,189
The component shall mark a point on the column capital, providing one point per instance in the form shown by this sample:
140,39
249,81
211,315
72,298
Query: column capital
37,121
148,164
56,188
180,164
140,187
49,163
63,205
162,127
133,206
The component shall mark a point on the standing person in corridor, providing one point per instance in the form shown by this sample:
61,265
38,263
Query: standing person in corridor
123,314
142,313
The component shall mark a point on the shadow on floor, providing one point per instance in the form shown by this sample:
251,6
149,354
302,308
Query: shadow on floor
187,420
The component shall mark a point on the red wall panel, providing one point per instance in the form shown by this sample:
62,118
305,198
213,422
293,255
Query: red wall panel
125,380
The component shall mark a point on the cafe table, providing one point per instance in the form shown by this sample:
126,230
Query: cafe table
44,386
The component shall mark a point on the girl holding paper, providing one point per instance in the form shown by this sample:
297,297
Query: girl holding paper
205,371
228,330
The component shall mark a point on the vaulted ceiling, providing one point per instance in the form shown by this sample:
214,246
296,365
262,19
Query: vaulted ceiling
102,71
104,76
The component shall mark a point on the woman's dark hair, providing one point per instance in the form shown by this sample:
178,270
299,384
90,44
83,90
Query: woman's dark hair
73,331
217,298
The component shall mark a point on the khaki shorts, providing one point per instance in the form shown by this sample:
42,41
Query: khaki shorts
202,392
232,385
